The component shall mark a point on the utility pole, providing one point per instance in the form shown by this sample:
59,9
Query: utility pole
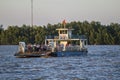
32,13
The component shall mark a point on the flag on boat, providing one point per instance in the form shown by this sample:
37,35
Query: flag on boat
64,22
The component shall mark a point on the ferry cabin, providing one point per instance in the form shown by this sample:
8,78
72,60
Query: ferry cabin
62,41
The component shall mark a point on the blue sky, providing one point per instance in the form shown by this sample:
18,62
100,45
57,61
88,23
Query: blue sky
18,12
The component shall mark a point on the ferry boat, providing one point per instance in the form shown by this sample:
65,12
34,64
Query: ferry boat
65,44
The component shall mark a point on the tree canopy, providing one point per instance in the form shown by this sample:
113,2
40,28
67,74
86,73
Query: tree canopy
96,33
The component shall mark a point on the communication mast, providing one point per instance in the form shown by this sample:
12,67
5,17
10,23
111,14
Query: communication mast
32,13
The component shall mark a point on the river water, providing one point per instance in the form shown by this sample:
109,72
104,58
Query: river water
101,63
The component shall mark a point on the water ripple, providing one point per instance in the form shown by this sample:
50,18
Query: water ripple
101,63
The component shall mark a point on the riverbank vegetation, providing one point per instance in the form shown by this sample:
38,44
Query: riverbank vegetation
95,32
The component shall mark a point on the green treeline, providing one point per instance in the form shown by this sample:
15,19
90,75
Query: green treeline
95,32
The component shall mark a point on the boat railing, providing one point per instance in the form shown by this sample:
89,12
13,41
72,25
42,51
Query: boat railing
78,36
72,37
71,48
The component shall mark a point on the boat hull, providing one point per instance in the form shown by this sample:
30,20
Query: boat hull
52,54
33,54
27,55
71,53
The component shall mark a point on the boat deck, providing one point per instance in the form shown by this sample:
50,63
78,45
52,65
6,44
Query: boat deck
33,54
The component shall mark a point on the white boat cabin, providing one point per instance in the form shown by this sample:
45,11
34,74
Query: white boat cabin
62,42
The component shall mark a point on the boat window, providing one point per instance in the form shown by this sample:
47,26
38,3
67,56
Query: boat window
63,32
